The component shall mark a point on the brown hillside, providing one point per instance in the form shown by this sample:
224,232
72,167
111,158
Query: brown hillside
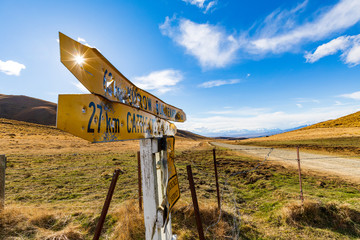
27,109
351,120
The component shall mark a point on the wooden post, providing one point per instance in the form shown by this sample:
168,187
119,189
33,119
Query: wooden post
153,192
301,190
195,203
2,181
139,182
216,179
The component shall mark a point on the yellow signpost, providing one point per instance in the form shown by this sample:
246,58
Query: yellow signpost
96,119
100,77
118,110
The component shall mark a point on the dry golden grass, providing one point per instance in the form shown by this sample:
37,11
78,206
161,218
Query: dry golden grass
46,140
339,218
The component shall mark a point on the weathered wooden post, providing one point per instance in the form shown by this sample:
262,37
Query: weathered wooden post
118,110
300,181
2,181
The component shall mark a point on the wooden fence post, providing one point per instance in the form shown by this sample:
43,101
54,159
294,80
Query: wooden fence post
301,190
139,182
195,203
151,157
2,181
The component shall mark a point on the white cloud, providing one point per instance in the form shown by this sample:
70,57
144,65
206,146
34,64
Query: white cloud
281,31
83,41
161,81
209,44
352,57
11,67
248,75
307,100
265,120
201,4
80,87
244,111
299,105
217,83
341,16
348,45
354,95
327,49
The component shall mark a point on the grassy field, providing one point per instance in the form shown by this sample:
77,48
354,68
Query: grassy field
56,185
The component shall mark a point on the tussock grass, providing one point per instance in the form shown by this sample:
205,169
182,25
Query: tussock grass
339,218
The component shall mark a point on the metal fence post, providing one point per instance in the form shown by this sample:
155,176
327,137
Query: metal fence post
195,203
2,181
105,209
216,179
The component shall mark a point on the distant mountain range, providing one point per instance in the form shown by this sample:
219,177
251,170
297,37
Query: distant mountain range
241,134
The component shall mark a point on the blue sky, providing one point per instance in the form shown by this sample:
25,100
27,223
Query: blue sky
230,65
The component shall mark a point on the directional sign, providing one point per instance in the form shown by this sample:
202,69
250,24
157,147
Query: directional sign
100,77
96,119
172,189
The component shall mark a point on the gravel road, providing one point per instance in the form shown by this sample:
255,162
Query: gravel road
328,165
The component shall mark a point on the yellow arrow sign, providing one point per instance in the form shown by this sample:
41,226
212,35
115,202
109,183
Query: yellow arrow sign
96,119
100,77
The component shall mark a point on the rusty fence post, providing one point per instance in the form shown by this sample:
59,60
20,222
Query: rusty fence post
105,209
195,203
216,179
301,190
139,182
2,181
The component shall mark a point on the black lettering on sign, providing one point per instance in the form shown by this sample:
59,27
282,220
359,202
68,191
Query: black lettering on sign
99,107
116,125
89,129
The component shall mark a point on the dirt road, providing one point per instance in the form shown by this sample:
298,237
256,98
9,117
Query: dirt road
328,165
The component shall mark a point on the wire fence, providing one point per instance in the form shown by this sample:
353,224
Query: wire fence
85,186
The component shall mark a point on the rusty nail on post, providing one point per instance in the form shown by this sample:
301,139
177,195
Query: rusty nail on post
301,190
195,203
105,209
216,179
139,182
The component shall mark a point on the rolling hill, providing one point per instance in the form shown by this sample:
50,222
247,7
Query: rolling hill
27,109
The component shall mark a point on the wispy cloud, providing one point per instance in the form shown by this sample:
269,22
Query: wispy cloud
83,41
284,30
218,83
80,87
341,16
299,105
209,44
354,95
306,100
348,45
11,67
202,4
160,81
244,111
265,120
